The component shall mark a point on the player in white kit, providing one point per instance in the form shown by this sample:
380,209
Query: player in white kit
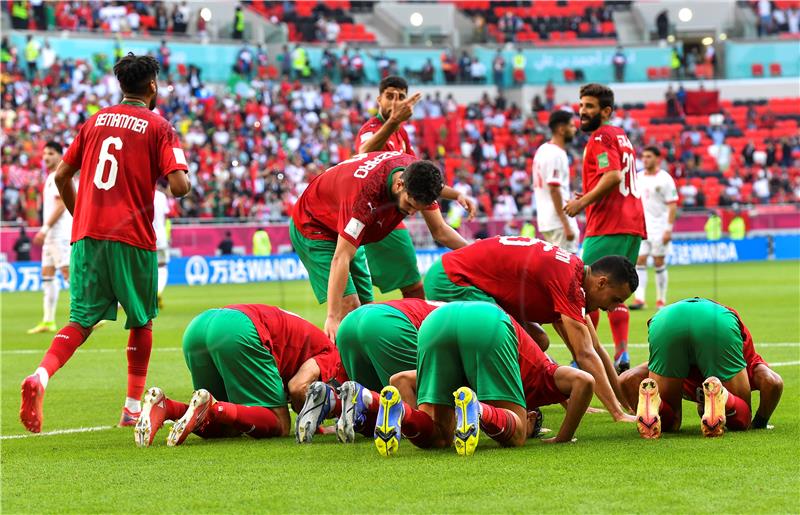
160,212
660,201
54,236
551,184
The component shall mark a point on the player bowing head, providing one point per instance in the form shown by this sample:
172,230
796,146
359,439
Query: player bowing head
137,76
611,280
417,187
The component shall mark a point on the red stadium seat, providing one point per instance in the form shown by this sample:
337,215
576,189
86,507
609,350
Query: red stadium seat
569,75
775,69
757,70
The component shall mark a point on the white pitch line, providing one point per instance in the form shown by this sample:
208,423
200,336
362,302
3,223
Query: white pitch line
42,351
785,364
57,432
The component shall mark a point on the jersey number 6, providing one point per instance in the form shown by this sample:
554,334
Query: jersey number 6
106,157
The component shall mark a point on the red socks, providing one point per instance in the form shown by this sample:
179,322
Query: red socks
619,319
737,413
63,346
254,421
667,416
174,409
140,343
370,416
417,426
500,424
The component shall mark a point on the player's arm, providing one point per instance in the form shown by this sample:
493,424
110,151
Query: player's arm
406,384
578,386
672,211
179,184
401,111
770,386
608,182
337,282
465,201
581,342
66,188
558,200
441,231
608,365
50,222
307,373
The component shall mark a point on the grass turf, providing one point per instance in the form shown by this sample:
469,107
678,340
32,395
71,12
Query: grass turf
609,469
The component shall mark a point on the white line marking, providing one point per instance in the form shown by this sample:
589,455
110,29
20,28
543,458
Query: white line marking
785,364
57,432
758,345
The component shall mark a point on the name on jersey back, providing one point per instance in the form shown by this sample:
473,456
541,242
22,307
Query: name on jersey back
123,121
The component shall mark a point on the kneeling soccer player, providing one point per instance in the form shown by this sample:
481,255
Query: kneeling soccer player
759,375
474,356
698,341
244,360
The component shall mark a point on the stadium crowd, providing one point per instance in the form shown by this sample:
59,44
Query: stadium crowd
254,145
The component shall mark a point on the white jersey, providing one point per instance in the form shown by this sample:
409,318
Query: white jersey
550,167
658,190
160,211
62,229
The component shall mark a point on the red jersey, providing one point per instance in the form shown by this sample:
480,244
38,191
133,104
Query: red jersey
353,200
397,141
536,371
292,341
532,280
416,310
621,211
122,151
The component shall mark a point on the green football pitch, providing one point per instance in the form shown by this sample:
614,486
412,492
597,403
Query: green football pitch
609,468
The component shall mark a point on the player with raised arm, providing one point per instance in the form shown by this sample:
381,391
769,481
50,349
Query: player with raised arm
701,350
660,200
535,281
123,150
475,358
393,260
359,201
54,238
614,215
160,212
245,360
551,184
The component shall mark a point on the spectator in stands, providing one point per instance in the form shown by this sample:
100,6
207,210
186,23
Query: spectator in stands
464,66
162,20
509,24
676,63
764,17
332,30
480,32
662,24
711,58
786,153
478,72
619,60
225,246
426,74
499,69
771,151
22,246
449,66
238,23
761,187
688,193
549,95
518,63
356,68
19,14
163,57
713,226
48,56
180,18
31,56
505,207
793,19
537,105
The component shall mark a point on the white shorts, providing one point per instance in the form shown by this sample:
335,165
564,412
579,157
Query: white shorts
654,247
163,256
55,253
557,237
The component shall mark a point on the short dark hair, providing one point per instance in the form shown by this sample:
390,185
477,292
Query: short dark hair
134,72
423,181
559,117
653,149
54,145
618,269
392,81
602,93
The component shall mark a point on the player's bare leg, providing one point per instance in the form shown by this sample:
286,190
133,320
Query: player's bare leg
630,380
662,278
579,387
640,294
770,386
504,422
413,291
63,346
538,334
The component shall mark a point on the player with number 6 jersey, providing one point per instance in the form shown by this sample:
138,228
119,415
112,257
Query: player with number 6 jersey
122,150
614,214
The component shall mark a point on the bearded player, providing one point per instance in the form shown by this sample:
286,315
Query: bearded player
245,361
393,260
123,150
360,201
660,200
615,222
703,351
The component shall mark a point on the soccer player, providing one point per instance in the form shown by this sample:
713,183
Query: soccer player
245,360
534,281
123,150
359,201
660,200
476,358
160,212
614,214
376,341
393,260
551,184
695,345
54,238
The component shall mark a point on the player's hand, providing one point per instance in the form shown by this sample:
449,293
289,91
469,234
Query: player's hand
624,417
468,204
569,234
402,110
574,206
39,238
555,439
667,237
331,327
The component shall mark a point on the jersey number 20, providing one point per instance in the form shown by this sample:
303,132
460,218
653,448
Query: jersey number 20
106,157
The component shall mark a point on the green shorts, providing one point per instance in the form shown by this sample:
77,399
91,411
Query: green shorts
439,287
393,261
376,341
105,272
595,247
468,344
696,332
317,255
226,357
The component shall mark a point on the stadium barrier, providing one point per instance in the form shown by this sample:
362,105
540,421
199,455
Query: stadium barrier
202,270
